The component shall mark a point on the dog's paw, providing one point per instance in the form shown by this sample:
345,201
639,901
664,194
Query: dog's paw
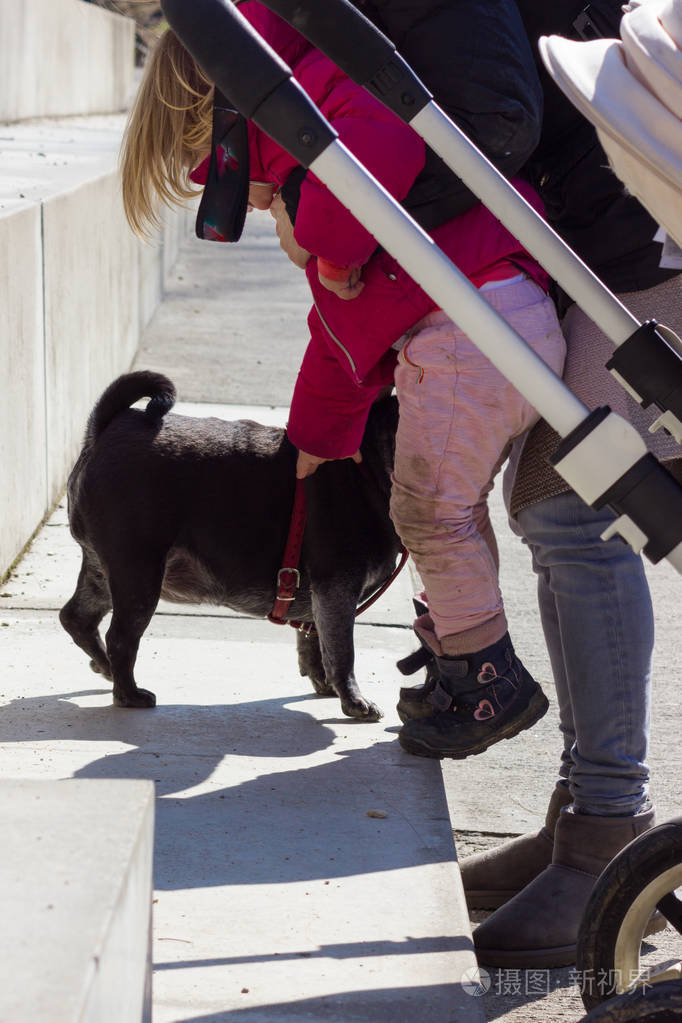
101,669
137,698
321,687
361,710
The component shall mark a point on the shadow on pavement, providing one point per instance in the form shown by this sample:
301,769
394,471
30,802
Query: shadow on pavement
308,823
441,1003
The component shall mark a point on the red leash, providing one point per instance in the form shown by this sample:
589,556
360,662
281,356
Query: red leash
289,577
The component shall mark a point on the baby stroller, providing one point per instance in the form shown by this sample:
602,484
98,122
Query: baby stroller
601,457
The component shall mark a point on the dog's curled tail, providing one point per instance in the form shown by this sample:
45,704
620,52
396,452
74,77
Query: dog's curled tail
124,392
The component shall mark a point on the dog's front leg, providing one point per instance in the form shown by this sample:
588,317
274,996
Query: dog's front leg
334,615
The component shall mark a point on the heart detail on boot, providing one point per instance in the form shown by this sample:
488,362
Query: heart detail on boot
487,673
484,711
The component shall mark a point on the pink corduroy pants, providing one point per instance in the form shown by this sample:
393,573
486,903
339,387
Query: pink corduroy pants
458,419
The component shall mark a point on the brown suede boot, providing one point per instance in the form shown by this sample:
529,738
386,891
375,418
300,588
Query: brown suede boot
495,876
538,928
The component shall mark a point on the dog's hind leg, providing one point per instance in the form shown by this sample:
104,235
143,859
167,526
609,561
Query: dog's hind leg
310,662
334,614
135,586
82,615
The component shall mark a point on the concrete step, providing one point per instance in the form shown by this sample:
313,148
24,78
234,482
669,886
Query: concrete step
76,880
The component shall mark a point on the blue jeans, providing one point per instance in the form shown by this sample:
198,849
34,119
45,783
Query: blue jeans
597,620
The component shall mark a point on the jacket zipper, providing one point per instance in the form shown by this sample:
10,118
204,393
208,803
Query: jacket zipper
338,344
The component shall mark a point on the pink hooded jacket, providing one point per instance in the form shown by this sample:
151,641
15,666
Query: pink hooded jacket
349,358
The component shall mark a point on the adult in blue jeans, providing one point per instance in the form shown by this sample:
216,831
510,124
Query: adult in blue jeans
593,596
598,624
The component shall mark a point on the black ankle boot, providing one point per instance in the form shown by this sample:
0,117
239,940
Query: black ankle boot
482,697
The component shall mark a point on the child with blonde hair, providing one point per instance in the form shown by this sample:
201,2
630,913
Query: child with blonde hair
371,324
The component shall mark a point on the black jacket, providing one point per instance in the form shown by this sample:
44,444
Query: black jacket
466,58
586,203
476,59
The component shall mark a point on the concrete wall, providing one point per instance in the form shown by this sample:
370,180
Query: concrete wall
76,290
23,480
92,316
76,286
63,57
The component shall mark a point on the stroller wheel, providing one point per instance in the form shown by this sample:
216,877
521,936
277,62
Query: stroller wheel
660,1003
641,878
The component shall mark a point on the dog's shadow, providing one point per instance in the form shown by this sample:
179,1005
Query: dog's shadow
314,821
257,728
427,1002
266,825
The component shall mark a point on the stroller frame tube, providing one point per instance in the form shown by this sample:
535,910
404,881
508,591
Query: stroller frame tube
628,479
550,250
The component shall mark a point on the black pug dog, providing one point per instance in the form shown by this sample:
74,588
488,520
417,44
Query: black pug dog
198,510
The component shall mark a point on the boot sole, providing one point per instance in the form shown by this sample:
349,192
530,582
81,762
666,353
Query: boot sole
546,958
536,709
526,959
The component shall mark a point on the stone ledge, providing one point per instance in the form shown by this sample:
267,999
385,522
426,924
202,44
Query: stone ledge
78,289
76,878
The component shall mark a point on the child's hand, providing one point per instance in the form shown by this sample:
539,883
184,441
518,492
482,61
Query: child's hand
346,289
307,464
285,232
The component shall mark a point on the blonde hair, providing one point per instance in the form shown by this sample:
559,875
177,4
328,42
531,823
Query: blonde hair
167,133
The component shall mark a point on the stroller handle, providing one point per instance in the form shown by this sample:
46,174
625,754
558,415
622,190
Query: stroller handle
356,45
